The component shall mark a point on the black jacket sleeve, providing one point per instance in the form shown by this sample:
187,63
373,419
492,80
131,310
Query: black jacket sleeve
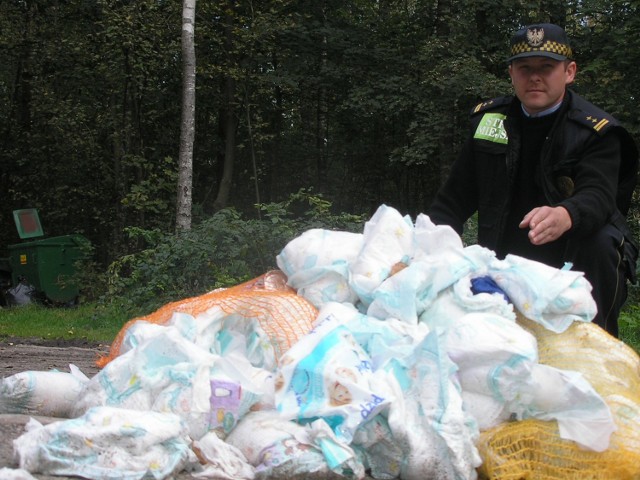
457,199
595,177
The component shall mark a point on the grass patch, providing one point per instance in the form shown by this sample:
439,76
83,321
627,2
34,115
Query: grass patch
629,325
87,322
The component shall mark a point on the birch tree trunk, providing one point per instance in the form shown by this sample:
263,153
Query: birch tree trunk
187,126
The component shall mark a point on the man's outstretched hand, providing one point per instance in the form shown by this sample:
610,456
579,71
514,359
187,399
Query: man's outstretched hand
546,224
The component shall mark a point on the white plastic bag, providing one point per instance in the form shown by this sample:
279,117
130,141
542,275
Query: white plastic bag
388,240
407,294
163,361
501,378
278,447
567,397
220,460
317,265
15,474
167,372
494,356
552,297
51,393
107,443
427,417
459,300
326,374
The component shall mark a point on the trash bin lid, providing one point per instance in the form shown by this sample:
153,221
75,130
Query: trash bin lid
28,223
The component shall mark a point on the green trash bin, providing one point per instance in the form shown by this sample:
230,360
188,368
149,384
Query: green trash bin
49,265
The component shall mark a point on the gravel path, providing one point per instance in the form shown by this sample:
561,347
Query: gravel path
23,354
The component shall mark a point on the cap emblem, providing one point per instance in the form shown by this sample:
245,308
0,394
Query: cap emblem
535,37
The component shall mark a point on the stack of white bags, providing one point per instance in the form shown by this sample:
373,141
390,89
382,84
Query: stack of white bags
415,350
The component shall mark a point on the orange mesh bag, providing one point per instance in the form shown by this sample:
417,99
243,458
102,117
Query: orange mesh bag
283,315
533,449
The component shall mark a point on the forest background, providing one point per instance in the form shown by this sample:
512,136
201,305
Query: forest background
308,113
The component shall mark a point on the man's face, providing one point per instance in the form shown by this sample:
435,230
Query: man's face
540,82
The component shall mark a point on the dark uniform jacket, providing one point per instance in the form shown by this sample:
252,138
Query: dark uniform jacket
588,165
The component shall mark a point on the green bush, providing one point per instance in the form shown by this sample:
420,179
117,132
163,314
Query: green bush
220,251
629,320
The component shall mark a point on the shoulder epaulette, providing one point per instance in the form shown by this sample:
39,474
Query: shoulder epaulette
490,104
597,121
590,116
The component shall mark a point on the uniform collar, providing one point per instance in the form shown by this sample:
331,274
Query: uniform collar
543,113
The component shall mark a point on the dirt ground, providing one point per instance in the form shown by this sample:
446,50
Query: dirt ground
23,354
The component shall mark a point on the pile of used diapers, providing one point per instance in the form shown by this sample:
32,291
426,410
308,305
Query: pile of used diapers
414,351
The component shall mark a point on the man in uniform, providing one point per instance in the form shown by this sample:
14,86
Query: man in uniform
550,175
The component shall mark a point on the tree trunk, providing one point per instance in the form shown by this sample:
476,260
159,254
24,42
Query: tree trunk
187,126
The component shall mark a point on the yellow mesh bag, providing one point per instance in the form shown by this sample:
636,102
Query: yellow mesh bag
283,315
533,449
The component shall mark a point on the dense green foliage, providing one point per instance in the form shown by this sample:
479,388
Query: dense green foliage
365,102
221,251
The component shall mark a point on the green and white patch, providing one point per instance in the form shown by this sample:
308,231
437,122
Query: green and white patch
491,128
